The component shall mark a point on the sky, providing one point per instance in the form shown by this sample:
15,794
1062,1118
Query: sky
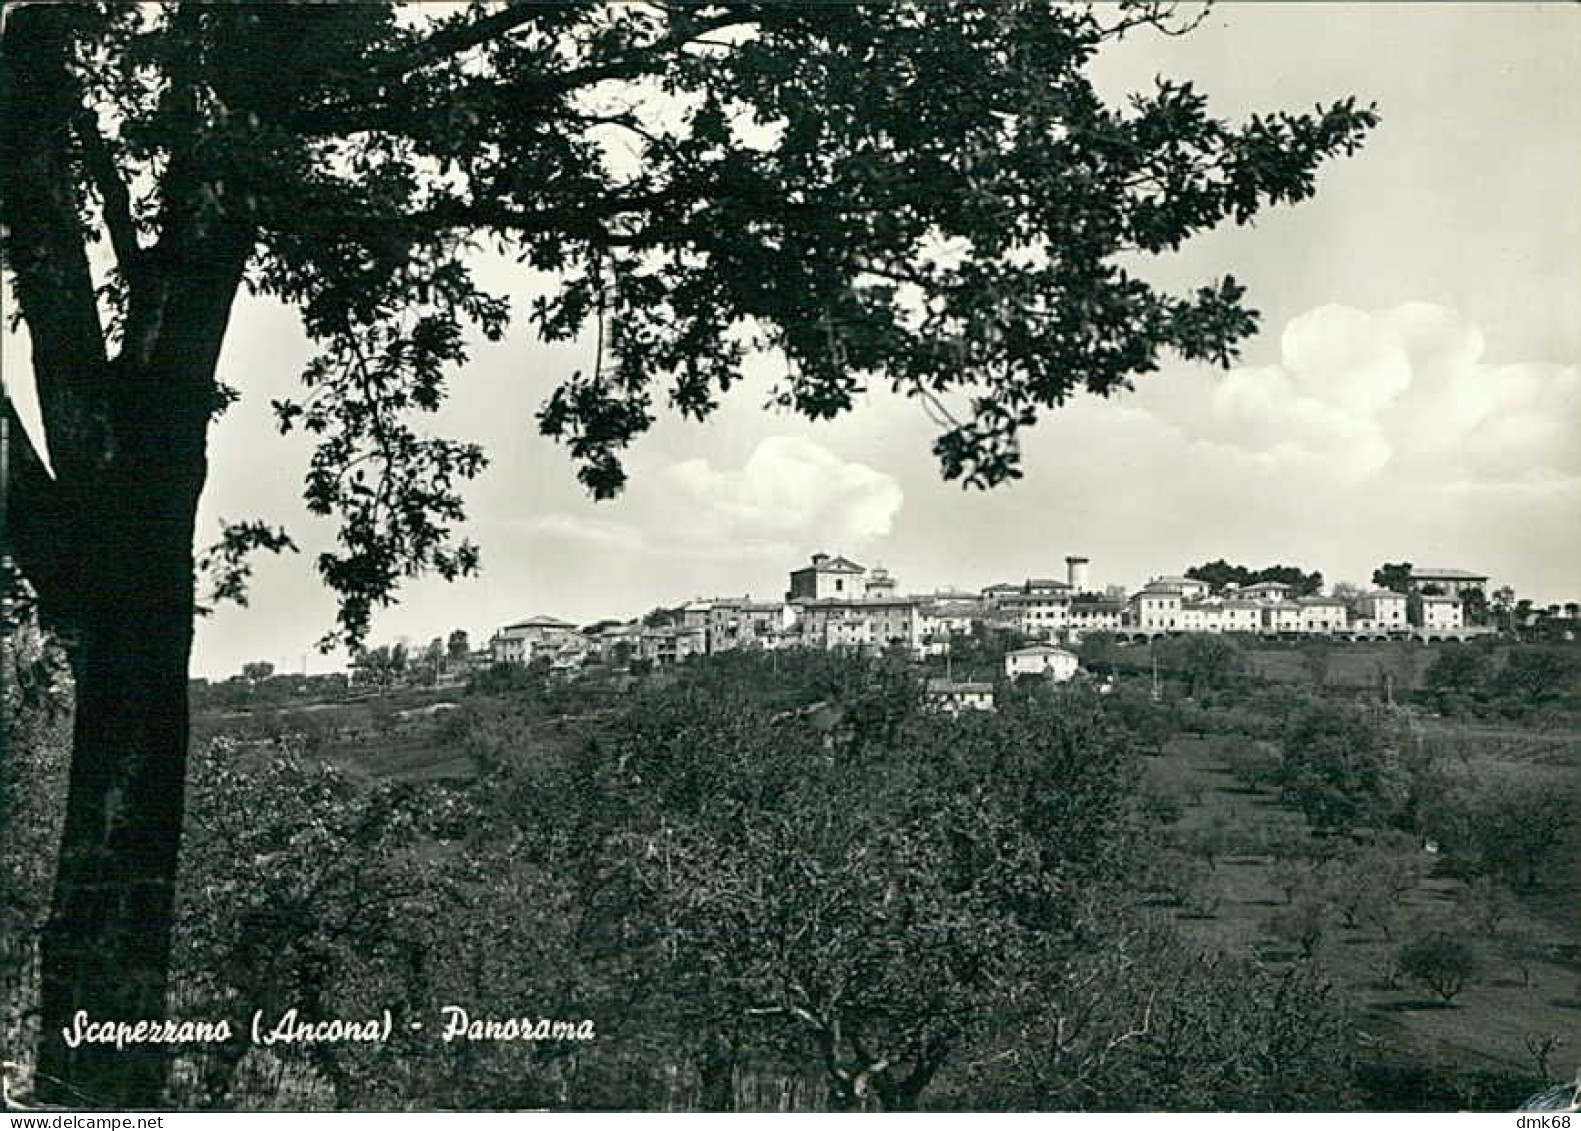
1413,393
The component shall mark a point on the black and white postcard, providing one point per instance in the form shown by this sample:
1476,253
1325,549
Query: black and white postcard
790,556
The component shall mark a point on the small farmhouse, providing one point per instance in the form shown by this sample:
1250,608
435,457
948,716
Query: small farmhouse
954,697
1041,659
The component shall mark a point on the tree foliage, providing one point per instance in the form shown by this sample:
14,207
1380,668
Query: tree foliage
1220,574
1535,676
1348,592
1503,822
1474,602
1459,668
878,907
1534,682
1441,960
1303,924
35,708
1395,576
1340,766
257,671
1151,1023
381,666
307,890
938,914
1207,661
1364,881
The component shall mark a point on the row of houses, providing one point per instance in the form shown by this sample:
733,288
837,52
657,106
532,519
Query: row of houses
836,603
1269,608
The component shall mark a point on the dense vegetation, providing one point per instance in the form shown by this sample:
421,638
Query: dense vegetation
780,881
874,904
1218,574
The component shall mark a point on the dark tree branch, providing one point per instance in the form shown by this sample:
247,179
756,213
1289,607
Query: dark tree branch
455,40
114,198
375,113
586,221
44,242
1155,14
640,62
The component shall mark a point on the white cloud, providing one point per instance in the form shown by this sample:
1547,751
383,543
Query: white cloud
789,488
1400,394
1347,359
592,533
689,528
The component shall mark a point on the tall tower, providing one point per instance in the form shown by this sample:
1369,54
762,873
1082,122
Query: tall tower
1076,573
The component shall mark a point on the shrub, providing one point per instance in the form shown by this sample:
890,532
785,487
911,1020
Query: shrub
1441,961
1458,668
1488,903
1303,924
1340,766
1249,762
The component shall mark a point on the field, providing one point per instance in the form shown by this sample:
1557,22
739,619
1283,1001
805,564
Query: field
1530,986
1351,665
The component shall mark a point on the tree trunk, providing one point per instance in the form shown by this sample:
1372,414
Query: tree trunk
106,539
905,1094
123,594
716,1075
107,944
901,1098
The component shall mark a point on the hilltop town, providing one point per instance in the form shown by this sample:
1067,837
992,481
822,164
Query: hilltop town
836,603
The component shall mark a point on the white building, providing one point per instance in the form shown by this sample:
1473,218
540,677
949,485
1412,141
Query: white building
696,614
1383,610
1261,591
619,643
954,697
889,620
1281,616
740,622
992,595
896,620
827,578
1046,586
572,654
1323,615
1201,616
1443,613
521,642
671,644
949,616
1096,616
1449,582
1189,587
766,617
1039,614
879,583
1156,609
853,631
1240,616
1041,659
